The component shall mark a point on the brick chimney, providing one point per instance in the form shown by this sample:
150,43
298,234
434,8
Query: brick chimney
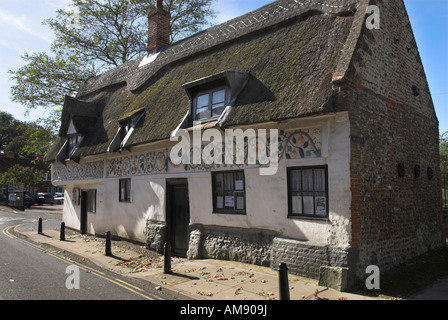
159,30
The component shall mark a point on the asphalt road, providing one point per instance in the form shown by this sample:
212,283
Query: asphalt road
29,271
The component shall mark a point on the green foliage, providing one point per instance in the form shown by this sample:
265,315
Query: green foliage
33,142
92,38
45,80
9,128
19,175
443,149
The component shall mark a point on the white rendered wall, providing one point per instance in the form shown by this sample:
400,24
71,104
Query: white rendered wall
266,196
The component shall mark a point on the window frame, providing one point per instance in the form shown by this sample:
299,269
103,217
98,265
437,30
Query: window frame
128,197
223,210
290,191
210,92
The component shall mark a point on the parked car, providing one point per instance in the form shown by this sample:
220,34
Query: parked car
3,199
47,198
28,201
59,197
37,200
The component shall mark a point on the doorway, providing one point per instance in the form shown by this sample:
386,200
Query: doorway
178,216
84,199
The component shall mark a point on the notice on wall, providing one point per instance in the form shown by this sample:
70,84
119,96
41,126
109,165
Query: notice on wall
321,206
229,201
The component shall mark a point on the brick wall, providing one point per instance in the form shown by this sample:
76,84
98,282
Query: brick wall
159,30
393,218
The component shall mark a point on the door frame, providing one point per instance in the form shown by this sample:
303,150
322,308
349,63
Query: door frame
170,183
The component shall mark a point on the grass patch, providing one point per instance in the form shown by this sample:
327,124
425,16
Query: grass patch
411,277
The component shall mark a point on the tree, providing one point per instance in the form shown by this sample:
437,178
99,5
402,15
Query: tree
9,128
33,142
45,80
443,149
21,176
95,36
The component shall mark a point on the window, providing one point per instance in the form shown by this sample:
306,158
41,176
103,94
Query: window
91,201
210,104
72,142
125,190
127,127
308,192
229,194
124,129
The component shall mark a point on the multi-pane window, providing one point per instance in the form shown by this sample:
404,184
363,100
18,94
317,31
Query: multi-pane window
125,190
210,104
308,192
72,143
229,192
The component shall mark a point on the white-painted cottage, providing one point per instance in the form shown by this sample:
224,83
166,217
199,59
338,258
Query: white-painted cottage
303,69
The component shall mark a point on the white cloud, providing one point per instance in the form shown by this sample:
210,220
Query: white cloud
12,20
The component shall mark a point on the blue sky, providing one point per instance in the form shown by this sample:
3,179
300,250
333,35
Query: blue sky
21,32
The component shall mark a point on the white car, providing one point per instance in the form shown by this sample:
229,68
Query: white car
59,198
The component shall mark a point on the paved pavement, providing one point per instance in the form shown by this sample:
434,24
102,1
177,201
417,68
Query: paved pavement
206,279
190,279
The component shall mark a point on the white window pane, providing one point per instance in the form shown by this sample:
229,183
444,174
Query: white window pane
203,101
219,97
220,202
307,180
202,113
308,205
319,180
219,182
296,180
228,182
240,202
296,202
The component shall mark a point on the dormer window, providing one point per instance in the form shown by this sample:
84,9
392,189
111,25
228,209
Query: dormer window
127,126
210,104
72,143
78,119
212,97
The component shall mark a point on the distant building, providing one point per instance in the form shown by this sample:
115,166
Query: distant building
9,160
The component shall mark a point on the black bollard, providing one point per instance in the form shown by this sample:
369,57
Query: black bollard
108,244
62,237
283,281
39,226
167,258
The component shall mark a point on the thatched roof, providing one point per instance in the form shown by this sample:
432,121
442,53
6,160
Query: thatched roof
288,49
